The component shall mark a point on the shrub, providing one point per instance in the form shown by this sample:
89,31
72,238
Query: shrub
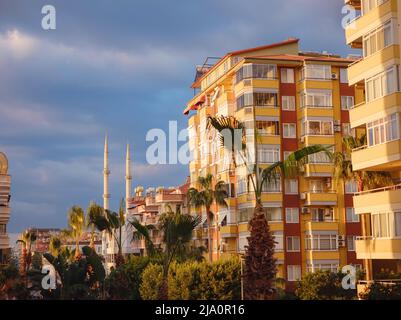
381,291
184,281
123,283
152,279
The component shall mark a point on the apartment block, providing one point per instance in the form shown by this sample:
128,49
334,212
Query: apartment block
376,31
294,99
5,211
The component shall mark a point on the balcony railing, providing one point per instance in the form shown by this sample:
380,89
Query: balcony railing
317,106
388,188
358,105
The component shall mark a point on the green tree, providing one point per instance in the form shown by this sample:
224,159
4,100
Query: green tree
323,285
382,291
152,281
27,239
343,170
76,227
260,267
204,198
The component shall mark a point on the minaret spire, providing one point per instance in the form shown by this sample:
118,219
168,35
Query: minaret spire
128,176
106,173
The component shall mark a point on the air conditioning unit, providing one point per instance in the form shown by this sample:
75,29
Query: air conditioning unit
304,210
337,122
334,76
302,139
341,243
302,196
247,82
337,129
341,238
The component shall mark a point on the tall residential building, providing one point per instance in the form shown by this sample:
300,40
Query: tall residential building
5,183
294,99
377,32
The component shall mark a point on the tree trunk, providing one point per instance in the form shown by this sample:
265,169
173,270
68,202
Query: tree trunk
22,267
163,294
260,265
209,236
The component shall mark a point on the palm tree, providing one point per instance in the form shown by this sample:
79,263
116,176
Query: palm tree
343,170
55,244
110,222
260,268
204,198
177,232
28,238
76,227
92,216
143,232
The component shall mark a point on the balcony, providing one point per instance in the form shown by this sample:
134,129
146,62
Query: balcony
353,3
385,156
318,170
317,111
373,64
167,197
4,241
312,139
5,213
229,231
322,225
386,199
378,248
367,112
271,83
363,24
319,198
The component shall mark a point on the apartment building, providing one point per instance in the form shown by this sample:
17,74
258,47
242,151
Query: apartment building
376,32
294,99
147,208
5,183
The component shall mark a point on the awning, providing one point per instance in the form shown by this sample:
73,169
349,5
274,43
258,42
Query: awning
195,104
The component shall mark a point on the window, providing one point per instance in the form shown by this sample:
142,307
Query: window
268,154
287,75
293,244
291,186
320,157
272,186
383,130
368,5
322,214
265,99
288,102
397,223
316,72
278,238
316,99
378,39
259,71
289,130
350,215
382,84
351,187
273,214
294,273
318,186
317,127
268,128
351,243
242,186
287,154
332,267
343,75
321,242
386,225
347,102
244,100
3,228
347,131
292,215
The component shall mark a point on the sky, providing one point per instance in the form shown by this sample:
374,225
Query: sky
120,67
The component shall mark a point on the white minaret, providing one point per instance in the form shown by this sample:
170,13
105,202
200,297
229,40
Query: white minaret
106,173
128,177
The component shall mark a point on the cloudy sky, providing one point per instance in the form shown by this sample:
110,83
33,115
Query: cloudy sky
121,67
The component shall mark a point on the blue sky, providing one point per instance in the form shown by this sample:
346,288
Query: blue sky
121,67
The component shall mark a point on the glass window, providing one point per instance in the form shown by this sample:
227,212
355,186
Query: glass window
268,128
351,243
268,154
291,186
265,99
318,127
322,214
351,187
278,238
383,130
321,242
288,102
316,99
397,223
347,102
287,75
273,214
382,84
316,72
378,39
289,130
292,215
293,244
351,216
343,75
294,273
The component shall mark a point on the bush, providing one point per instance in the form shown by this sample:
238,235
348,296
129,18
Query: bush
323,285
123,283
381,291
184,281
152,279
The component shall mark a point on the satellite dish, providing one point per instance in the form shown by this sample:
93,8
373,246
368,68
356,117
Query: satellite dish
3,163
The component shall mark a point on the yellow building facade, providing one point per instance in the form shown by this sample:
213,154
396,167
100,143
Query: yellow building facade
376,32
294,99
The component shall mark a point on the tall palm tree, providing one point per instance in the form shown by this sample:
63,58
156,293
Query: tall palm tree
76,227
92,217
260,268
143,232
55,244
204,198
27,239
343,170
